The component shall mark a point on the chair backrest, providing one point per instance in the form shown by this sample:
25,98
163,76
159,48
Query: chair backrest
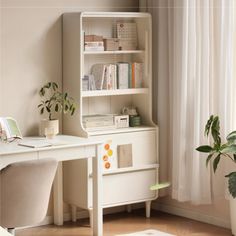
25,192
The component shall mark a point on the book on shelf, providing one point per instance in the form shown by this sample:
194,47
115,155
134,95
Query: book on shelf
104,76
110,77
137,75
98,72
88,83
123,74
94,46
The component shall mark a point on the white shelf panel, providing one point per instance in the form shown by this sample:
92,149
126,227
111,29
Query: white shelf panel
129,169
115,92
113,52
121,130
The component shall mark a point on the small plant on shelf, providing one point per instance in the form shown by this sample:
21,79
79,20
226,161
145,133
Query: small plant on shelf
52,100
218,150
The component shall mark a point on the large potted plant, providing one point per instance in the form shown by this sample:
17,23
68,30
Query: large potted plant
53,101
217,150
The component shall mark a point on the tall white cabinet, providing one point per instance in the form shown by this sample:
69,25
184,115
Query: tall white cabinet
121,186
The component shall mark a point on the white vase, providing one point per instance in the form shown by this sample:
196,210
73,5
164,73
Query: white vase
49,128
232,203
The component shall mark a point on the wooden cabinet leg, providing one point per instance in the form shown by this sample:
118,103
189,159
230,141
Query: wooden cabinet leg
148,208
73,213
128,208
91,217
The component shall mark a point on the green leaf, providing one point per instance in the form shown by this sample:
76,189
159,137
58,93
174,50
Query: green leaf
54,86
204,148
48,109
56,108
208,125
232,183
234,156
231,136
41,111
215,128
73,111
216,162
209,158
229,149
159,186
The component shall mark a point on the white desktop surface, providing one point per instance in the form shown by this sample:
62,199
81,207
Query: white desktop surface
64,148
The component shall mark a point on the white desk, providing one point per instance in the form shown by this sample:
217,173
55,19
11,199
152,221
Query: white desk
66,148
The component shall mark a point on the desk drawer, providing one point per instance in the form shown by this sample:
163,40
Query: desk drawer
11,158
64,154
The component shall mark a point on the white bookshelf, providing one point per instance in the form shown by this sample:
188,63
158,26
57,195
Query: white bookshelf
144,138
113,52
114,92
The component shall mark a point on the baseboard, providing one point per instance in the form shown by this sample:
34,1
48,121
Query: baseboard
191,214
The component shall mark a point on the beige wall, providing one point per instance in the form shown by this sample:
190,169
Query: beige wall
31,53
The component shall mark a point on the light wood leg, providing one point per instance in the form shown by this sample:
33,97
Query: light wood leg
91,217
128,208
148,208
58,196
97,193
73,213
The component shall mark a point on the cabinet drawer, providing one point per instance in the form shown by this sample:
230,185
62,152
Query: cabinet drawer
125,188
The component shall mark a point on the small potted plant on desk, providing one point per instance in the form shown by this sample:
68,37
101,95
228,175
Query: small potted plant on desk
53,101
218,150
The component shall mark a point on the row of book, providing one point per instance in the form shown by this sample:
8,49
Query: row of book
121,75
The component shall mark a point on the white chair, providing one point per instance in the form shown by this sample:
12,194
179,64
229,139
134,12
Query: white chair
25,192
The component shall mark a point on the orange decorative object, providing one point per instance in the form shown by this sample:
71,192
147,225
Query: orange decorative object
107,165
107,146
105,158
109,152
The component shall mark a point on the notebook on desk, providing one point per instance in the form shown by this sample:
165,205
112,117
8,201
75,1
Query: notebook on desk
35,143
40,142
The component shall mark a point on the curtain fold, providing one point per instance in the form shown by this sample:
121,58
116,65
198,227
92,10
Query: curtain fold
199,82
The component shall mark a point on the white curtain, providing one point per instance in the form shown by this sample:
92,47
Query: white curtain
200,83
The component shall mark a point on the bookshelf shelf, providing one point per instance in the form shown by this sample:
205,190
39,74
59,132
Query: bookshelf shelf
113,52
140,143
116,92
122,130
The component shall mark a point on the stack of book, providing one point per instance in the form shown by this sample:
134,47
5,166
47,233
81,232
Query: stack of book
93,43
98,122
129,75
88,83
122,75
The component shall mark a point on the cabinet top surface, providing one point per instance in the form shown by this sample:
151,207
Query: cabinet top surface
113,14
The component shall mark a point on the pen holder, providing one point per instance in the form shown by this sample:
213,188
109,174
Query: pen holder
134,121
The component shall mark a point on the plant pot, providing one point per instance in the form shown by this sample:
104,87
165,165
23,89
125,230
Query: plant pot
232,203
49,128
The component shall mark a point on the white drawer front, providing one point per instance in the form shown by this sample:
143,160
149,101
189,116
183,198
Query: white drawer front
5,160
125,188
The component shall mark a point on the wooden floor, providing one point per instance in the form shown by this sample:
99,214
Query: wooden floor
131,222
